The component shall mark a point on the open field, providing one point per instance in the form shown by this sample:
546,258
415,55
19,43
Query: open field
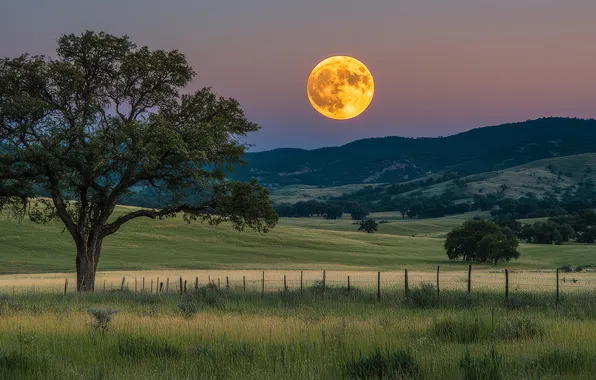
300,244
227,334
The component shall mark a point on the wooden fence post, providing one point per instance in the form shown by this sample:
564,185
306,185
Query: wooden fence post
263,285
135,284
506,283
160,287
438,283
348,283
184,286
227,283
167,285
65,285
379,286
196,282
244,283
557,285
157,290
143,284
180,284
122,285
406,283
324,281
470,279
301,272
285,284
152,287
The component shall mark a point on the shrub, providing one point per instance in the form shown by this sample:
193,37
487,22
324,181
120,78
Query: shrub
518,329
582,267
399,364
424,296
566,268
101,319
488,367
140,347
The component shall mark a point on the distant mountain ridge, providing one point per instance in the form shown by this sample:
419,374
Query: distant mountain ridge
399,159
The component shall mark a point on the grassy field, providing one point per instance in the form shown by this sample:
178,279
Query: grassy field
297,193
228,333
213,334
294,244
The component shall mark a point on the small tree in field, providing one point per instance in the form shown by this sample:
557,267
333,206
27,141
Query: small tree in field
369,226
106,117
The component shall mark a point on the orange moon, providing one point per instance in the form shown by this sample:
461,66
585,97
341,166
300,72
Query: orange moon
340,87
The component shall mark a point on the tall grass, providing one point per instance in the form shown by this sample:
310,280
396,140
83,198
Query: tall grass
322,333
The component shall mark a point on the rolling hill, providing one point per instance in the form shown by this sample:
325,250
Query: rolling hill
399,159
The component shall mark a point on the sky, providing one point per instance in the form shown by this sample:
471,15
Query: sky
440,67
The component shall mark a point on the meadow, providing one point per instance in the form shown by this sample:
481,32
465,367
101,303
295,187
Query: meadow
331,334
217,332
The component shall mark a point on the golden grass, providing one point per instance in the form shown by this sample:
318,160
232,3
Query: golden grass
482,279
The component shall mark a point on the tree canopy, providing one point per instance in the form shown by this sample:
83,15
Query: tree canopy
106,117
481,240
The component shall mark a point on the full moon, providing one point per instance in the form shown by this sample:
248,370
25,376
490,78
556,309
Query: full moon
340,87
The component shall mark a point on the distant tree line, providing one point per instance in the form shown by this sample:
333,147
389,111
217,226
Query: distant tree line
578,226
416,205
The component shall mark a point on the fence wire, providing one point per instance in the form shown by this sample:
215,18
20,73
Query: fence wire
276,280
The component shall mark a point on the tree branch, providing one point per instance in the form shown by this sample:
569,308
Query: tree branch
111,228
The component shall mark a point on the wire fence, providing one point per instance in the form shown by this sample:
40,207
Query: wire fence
468,280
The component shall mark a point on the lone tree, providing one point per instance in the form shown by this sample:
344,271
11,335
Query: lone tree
481,240
368,225
105,118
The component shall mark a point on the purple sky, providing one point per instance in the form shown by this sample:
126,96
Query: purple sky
440,67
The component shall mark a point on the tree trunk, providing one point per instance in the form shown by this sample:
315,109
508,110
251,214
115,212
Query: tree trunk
87,259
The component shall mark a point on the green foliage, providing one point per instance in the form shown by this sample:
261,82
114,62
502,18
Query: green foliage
517,328
412,158
105,118
141,347
481,240
101,319
424,296
359,213
368,225
458,331
488,367
561,361
205,297
400,364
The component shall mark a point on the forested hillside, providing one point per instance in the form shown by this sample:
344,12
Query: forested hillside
399,159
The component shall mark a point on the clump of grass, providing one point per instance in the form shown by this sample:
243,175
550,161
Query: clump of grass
561,361
462,331
206,297
424,296
488,367
148,298
140,347
400,364
519,329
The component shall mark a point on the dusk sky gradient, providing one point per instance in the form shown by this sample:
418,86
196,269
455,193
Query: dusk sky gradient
440,67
